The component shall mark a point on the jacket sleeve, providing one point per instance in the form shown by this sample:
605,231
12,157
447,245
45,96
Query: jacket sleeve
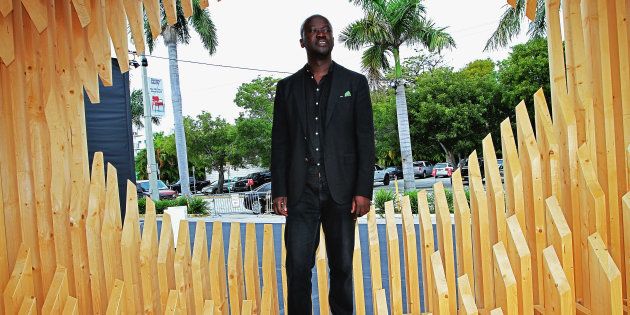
364,131
279,144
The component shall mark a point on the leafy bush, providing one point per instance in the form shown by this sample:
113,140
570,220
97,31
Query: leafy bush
413,199
195,205
380,197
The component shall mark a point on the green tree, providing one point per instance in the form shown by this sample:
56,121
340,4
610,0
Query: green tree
253,127
179,33
385,128
511,22
387,26
211,144
522,73
137,110
165,157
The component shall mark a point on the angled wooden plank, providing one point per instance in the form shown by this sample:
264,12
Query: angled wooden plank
496,311
6,7
217,265
82,7
558,299
148,262
173,303
20,283
208,307
530,9
512,173
152,12
94,222
393,260
252,277
7,49
99,41
248,306
4,254
566,133
548,147
117,28
204,4
445,241
626,237
532,183
605,276
269,269
575,61
57,294
187,6
116,304
10,198
83,56
520,258
38,13
111,232
200,271
462,229
482,248
427,247
29,306
440,286
467,305
133,10
494,193
170,12
505,287
592,204
321,265
71,307
357,275
235,269
375,258
559,236
130,249
23,152
411,257
183,274
557,71
381,303
166,259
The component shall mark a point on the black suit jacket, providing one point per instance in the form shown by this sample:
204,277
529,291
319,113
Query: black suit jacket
349,153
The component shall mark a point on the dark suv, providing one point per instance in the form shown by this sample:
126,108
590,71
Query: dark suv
194,184
463,166
254,179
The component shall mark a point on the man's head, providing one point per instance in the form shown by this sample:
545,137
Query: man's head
316,36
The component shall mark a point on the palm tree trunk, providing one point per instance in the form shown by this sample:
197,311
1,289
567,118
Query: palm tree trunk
403,127
405,138
170,40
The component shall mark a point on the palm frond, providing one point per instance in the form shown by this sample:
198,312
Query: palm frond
374,61
203,24
368,30
399,11
423,31
509,26
371,5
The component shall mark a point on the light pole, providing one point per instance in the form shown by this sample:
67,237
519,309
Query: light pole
148,130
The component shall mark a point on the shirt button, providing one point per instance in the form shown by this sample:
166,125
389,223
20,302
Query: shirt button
316,149
317,164
316,103
316,118
317,133
317,89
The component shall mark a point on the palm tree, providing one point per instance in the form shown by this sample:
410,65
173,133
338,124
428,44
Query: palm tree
511,22
137,110
179,33
387,25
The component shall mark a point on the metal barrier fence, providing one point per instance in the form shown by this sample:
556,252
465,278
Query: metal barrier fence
243,202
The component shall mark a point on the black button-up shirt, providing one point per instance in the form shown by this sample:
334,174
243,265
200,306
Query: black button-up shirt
316,100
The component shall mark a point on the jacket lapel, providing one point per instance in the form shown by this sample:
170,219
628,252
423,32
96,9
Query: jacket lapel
333,97
299,102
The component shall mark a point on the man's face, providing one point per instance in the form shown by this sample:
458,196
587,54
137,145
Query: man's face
317,38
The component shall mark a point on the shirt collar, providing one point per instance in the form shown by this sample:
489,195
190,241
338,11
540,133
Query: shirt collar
307,68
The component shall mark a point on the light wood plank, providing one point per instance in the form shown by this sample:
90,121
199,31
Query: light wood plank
82,7
252,277
512,173
520,259
208,307
381,303
148,262
111,232
411,257
557,71
57,294
558,296
94,223
152,12
467,305
269,271
166,259
71,307
116,304
357,275
532,183
427,247
136,23
235,269
218,279
559,236
464,250
183,270
38,13
247,307
626,235
605,276
393,260
530,9
505,287
321,265
20,283
173,303
200,272
170,11
29,306
375,258
548,146
117,28
7,49
445,241
494,193
187,6
130,249
440,286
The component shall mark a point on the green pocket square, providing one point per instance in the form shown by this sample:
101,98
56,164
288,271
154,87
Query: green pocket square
347,94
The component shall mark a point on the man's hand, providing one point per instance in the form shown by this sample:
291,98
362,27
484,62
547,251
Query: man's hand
360,206
280,206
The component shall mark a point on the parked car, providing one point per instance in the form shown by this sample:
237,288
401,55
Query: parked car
463,166
381,175
251,181
500,162
256,200
194,184
422,169
142,187
213,188
394,171
442,169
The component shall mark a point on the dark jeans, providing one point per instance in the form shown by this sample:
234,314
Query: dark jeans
316,207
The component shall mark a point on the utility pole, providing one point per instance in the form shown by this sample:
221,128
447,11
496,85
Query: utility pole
148,131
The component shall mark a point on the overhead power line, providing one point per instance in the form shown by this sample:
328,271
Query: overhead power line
220,66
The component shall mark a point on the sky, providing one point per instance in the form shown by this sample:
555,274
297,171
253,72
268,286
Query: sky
265,35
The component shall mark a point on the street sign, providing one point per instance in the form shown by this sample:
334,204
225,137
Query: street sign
156,96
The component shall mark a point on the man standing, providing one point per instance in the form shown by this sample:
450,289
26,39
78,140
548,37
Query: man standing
322,166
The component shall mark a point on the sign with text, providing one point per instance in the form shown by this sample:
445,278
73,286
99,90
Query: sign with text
156,97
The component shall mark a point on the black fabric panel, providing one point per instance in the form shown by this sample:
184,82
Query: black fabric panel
109,129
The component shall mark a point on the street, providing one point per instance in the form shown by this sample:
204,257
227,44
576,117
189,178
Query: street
424,183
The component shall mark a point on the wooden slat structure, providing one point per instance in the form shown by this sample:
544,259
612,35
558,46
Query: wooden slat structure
551,235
